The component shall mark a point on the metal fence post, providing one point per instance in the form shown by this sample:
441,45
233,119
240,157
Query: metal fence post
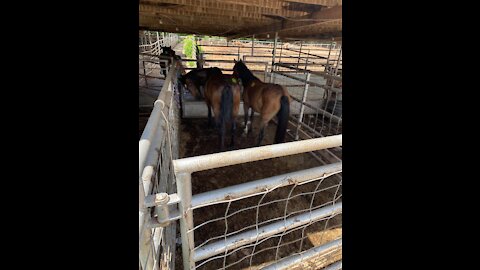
274,47
302,106
145,72
266,71
327,68
184,191
306,60
299,53
338,61
253,37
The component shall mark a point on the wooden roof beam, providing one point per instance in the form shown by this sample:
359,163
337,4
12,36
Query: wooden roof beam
214,13
316,18
328,3
231,6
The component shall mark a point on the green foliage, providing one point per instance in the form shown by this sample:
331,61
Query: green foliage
188,47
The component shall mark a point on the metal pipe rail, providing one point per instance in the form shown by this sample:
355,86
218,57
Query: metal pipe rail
334,266
221,61
310,54
322,250
217,160
255,187
327,87
320,73
323,112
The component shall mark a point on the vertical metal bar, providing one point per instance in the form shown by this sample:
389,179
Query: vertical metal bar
306,60
280,58
301,44
328,57
238,53
253,37
145,73
338,61
184,191
266,71
272,78
274,49
302,106
144,232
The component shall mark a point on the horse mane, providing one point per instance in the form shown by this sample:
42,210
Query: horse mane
245,74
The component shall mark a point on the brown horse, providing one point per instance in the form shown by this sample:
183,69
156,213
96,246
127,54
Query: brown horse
222,95
268,99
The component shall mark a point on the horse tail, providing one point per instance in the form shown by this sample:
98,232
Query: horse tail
226,103
282,115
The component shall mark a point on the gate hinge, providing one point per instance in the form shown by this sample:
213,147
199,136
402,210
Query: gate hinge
165,209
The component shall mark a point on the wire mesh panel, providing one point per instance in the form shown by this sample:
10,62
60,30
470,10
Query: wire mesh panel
283,221
260,222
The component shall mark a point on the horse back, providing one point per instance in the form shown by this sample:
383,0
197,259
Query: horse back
257,93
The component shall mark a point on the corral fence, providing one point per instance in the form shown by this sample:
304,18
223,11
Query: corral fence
304,232
158,146
152,66
313,78
151,42
316,56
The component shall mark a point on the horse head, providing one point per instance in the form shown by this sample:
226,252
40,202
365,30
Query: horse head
189,82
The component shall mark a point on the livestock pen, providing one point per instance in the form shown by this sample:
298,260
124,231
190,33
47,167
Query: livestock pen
276,206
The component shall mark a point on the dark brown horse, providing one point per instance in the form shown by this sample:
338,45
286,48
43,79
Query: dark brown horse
222,95
268,99
196,80
166,53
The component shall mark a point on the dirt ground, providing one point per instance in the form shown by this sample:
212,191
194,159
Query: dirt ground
196,139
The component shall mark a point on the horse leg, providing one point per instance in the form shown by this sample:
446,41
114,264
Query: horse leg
269,110
245,112
251,120
234,128
210,124
220,125
262,132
